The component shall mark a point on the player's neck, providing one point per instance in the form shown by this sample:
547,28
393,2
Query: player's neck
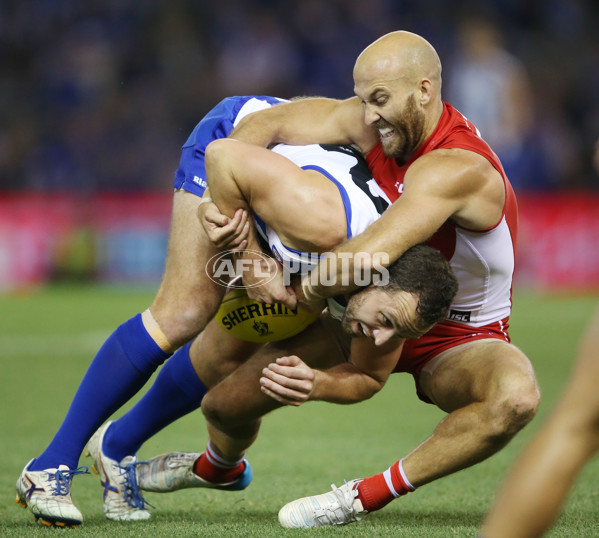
432,120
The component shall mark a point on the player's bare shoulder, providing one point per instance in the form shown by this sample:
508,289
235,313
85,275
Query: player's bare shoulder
465,177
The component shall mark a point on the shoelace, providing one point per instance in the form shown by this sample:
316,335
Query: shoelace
63,479
131,492
345,498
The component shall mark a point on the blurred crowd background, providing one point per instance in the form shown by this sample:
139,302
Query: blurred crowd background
100,95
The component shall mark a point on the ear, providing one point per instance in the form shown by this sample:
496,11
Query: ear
425,91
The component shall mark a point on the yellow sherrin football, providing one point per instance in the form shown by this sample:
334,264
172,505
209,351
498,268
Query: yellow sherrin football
253,321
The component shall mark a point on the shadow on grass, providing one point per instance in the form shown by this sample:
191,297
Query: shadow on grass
268,518
195,516
245,521
261,517
428,519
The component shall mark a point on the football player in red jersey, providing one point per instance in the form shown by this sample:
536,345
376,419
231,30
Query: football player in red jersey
450,190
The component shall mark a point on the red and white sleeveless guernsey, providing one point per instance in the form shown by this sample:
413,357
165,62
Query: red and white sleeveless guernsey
482,260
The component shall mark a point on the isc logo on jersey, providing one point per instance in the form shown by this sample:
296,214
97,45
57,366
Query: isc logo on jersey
253,321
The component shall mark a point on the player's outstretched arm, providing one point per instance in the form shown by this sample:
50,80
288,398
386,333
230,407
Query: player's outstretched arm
308,121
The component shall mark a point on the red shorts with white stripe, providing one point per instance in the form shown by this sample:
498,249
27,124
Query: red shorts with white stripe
418,352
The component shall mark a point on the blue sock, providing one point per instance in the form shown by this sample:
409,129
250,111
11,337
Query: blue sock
122,366
176,392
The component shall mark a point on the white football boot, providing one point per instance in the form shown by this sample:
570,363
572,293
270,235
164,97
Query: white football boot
47,493
173,471
337,507
122,498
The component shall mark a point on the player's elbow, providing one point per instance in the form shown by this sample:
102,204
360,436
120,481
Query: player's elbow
368,387
373,387
368,391
217,154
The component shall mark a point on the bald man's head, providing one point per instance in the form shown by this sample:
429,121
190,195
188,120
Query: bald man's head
398,78
399,55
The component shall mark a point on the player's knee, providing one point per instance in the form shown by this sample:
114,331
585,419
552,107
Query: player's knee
190,321
520,410
211,411
180,323
217,413
516,407
228,425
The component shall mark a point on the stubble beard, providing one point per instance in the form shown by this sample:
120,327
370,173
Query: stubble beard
408,128
352,305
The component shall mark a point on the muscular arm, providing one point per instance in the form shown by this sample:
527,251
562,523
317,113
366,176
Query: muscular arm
308,121
440,185
365,373
290,381
302,206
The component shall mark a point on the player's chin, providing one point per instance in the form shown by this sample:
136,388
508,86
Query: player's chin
392,146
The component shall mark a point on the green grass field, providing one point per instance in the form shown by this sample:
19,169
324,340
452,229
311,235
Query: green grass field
47,339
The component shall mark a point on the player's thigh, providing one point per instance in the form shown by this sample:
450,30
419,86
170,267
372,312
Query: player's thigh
187,297
487,370
238,398
215,354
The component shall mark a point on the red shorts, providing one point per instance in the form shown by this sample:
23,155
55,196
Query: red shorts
418,352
